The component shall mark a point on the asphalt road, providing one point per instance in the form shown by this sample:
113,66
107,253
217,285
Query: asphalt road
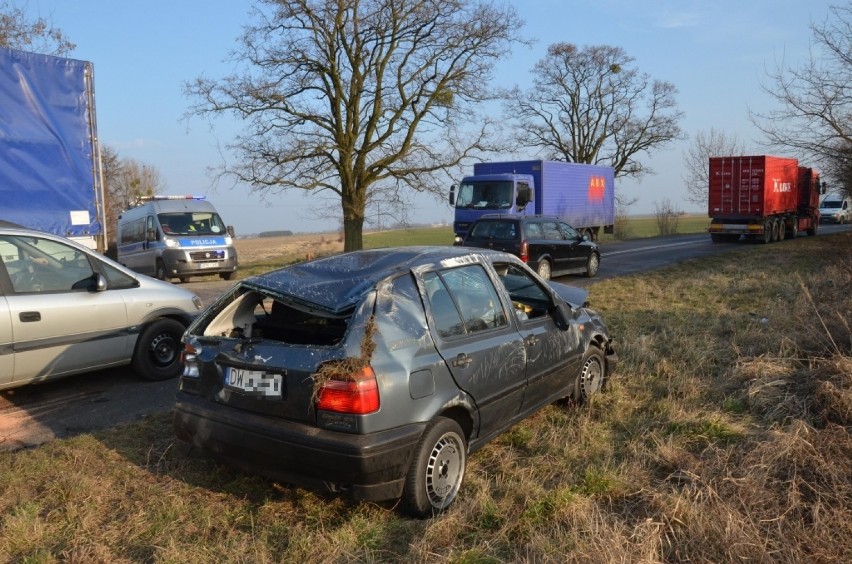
35,414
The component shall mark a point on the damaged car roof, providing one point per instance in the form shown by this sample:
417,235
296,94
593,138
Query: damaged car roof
337,283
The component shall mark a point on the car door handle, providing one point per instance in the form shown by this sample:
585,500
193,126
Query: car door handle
531,340
29,316
461,361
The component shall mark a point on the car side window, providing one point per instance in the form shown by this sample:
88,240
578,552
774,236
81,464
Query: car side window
116,279
551,231
43,265
463,301
570,232
534,231
529,299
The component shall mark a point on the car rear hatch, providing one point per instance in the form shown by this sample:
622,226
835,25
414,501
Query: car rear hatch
259,350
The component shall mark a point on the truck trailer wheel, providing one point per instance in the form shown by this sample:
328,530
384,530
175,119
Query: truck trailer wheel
767,232
782,229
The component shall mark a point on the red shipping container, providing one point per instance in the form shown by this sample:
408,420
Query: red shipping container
756,186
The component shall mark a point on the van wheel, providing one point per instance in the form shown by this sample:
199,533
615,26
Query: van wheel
157,353
228,275
435,476
160,270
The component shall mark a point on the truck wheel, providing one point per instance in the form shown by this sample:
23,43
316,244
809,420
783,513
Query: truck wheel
592,375
794,229
593,265
767,233
436,472
813,229
782,229
160,270
157,353
544,270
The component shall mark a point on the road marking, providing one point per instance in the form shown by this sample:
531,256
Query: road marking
650,248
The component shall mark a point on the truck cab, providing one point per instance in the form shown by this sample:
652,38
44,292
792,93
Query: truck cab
487,194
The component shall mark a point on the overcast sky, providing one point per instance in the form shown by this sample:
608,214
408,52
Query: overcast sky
716,52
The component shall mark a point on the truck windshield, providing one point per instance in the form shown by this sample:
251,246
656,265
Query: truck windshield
485,195
191,223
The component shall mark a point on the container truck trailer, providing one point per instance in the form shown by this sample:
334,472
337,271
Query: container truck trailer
764,198
581,195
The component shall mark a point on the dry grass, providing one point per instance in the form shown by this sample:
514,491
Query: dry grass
724,437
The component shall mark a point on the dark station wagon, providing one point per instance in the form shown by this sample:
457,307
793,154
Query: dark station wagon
549,246
377,373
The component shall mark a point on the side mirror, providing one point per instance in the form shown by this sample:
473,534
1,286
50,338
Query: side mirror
152,235
100,282
452,198
562,315
230,230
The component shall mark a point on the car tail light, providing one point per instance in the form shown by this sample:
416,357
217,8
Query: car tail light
356,393
525,251
189,358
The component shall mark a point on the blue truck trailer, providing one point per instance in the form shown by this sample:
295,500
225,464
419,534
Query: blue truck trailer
51,177
581,195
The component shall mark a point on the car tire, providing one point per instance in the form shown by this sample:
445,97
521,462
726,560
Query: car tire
544,271
227,275
157,353
160,270
592,265
437,470
592,375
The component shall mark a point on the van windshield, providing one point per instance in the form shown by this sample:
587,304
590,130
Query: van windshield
191,223
830,204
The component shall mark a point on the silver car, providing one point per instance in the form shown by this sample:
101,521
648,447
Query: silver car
65,309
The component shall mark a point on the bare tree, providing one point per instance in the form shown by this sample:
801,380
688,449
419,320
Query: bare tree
591,105
814,113
18,31
126,180
696,160
347,95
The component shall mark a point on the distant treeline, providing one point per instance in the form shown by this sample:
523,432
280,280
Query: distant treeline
284,233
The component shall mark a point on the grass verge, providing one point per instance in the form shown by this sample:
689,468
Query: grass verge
725,436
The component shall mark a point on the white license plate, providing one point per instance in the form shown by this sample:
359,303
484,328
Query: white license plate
254,382
208,264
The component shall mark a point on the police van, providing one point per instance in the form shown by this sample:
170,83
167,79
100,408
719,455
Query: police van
176,237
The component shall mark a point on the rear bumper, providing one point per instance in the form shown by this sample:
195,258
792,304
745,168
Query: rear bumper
370,467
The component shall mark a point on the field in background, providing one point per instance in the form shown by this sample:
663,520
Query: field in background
262,254
725,436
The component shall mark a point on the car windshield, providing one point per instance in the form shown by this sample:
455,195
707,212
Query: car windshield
482,195
191,223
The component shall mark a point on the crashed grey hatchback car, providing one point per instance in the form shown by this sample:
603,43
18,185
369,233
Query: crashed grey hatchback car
376,373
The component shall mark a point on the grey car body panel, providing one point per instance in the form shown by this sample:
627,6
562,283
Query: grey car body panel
513,370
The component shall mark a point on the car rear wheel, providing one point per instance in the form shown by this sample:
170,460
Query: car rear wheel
592,375
157,354
544,270
435,476
593,265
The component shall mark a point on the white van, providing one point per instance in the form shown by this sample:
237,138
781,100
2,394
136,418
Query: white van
176,237
835,209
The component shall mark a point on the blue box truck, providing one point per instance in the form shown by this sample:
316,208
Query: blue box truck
581,195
